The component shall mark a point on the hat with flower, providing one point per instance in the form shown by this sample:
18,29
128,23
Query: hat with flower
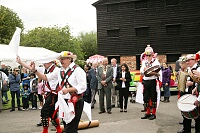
148,50
190,57
64,54
182,59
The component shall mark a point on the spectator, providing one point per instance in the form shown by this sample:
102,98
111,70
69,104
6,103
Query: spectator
166,74
87,93
3,80
93,82
14,81
123,80
33,89
25,76
104,77
25,96
4,69
40,92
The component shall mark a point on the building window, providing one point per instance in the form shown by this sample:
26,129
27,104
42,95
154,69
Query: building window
141,31
140,4
173,57
172,2
173,29
112,7
113,33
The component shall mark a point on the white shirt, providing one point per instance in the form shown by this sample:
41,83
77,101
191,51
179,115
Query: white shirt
77,79
114,71
52,77
123,83
4,77
156,62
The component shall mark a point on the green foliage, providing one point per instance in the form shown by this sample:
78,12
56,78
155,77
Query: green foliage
9,20
88,43
53,38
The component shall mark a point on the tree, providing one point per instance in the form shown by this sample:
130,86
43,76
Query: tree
9,20
88,43
53,38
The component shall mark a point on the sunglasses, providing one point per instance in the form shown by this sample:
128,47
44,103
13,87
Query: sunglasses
148,55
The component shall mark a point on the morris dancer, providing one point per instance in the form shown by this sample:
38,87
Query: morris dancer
72,82
149,83
190,86
51,97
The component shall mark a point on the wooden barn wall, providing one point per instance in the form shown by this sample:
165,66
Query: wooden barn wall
156,16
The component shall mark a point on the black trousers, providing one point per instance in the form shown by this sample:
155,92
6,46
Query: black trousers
72,127
17,93
25,102
123,96
149,90
49,106
187,124
33,97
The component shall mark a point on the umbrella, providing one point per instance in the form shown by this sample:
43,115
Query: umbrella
95,58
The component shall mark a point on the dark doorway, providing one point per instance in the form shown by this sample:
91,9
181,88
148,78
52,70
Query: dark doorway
117,57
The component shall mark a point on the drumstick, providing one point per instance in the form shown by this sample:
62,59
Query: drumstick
186,97
187,103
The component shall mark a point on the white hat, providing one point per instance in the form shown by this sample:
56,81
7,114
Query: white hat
148,50
190,57
67,54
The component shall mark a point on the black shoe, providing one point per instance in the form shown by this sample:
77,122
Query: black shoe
146,116
144,110
102,112
152,117
109,112
92,107
12,110
182,131
125,110
121,110
19,109
113,106
39,124
4,102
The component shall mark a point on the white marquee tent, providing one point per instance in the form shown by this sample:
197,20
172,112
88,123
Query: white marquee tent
26,54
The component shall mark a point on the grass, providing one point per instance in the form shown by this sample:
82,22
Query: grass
8,105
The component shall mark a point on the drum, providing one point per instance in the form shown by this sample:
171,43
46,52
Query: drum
149,71
182,78
187,107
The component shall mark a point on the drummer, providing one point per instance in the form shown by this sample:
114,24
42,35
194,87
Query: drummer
190,85
149,83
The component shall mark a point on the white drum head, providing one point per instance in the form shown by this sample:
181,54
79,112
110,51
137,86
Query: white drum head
186,102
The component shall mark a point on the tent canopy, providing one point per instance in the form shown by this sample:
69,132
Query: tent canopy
26,54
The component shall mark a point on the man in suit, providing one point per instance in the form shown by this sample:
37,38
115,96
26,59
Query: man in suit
93,82
104,77
114,90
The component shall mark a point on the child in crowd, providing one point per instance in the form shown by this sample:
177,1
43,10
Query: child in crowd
40,92
34,89
25,92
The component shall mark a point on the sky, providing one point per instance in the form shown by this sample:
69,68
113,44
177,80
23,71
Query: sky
79,15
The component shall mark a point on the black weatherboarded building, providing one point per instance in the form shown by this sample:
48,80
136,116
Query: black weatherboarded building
126,27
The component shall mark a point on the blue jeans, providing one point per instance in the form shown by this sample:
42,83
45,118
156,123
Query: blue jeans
166,91
4,94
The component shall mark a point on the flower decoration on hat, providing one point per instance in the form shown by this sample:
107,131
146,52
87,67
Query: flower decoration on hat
182,59
197,56
67,54
148,50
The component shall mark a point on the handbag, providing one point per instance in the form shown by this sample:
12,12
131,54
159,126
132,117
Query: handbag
5,88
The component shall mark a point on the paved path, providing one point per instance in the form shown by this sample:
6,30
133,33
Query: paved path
168,117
